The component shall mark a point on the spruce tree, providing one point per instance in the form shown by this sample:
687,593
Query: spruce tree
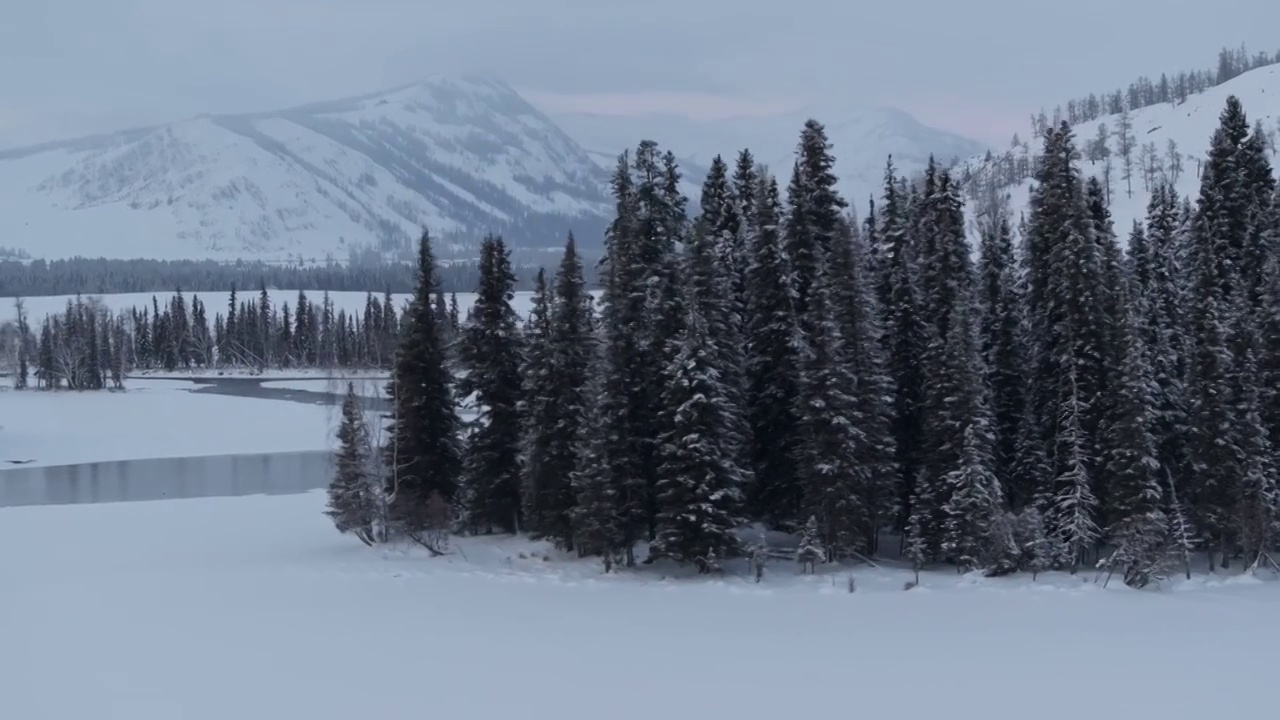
1068,335
953,409
1073,507
640,315
773,345
905,337
538,414
714,280
352,496
1258,495
1138,524
1220,325
490,352
1161,302
831,477
874,389
810,551
972,536
1112,299
597,518
558,376
423,452
699,484
746,190
815,213
1000,306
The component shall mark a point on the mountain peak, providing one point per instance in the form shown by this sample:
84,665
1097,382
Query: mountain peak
462,155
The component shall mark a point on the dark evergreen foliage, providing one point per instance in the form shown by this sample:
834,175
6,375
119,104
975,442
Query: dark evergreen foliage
424,451
103,276
773,344
490,352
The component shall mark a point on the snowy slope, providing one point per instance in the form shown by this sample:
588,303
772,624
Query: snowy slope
255,608
1190,125
460,155
863,139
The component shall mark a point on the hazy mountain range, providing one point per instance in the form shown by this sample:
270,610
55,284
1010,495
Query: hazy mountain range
460,155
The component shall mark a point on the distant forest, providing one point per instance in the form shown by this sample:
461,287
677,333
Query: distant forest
1127,163
1145,92
102,276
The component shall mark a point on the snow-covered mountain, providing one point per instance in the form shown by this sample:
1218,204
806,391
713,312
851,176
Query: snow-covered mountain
1190,125
462,156
862,141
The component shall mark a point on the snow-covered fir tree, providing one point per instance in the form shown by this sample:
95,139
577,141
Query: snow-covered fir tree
904,336
974,534
714,280
537,410
424,451
699,489
832,479
815,214
1068,349
810,551
1138,527
557,378
1000,305
353,496
1073,506
490,353
640,317
854,276
773,344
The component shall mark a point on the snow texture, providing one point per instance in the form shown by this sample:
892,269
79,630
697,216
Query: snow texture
255,608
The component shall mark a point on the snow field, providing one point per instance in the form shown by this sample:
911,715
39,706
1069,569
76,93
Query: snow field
256,608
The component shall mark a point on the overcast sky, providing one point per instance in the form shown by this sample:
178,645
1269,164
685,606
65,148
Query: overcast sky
978,67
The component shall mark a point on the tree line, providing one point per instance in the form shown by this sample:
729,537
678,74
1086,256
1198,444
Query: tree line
1058,402
1145,92
89,347
102,276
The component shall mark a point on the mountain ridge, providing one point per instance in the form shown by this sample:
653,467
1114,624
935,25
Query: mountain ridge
463,155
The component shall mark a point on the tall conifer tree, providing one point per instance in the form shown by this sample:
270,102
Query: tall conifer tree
424,451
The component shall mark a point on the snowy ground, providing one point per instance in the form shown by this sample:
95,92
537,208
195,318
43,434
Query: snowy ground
256,608
153,418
